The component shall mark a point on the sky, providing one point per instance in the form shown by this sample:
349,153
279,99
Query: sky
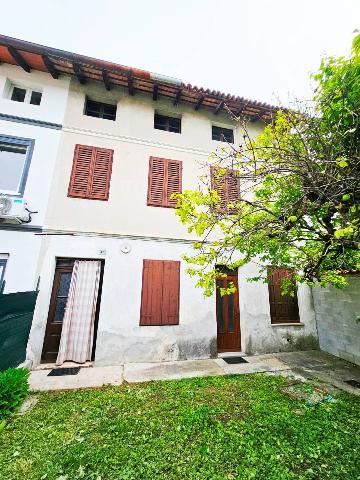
262,50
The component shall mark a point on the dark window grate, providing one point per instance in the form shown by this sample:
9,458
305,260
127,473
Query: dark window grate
234,360
353,383
59,372
222,134
169,124
100,110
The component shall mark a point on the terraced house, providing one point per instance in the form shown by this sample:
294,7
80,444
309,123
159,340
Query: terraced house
97,149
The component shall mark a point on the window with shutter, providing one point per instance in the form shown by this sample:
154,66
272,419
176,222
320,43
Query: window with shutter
165,177
160,293
283,308
227,186
91,173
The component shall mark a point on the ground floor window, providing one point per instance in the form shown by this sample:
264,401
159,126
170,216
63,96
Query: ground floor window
160,293
283,308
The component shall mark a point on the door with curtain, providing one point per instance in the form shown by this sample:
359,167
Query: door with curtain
58,301
228,314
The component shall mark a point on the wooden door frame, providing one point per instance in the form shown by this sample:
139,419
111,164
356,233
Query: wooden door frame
230,273
67,262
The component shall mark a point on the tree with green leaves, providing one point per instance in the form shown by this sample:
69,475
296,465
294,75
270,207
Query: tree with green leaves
299,190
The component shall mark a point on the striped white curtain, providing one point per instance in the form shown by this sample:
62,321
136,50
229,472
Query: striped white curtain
78,323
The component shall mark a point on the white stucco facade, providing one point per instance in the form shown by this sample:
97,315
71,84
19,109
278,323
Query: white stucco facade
40,124
79,228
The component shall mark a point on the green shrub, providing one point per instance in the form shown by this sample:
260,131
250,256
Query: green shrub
14,388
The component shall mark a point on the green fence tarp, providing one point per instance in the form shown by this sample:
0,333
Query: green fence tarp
16,313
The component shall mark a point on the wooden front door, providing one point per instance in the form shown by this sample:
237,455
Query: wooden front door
228,315
59,295
58,301
283,308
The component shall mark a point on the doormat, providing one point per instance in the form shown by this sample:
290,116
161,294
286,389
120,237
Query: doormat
353,383
59,372
233,360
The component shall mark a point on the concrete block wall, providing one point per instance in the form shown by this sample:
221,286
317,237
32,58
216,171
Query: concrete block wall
336,315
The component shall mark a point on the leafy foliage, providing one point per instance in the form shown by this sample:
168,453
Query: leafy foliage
300,189
220,428
13,390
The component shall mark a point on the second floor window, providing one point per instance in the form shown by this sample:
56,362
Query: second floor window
222,134
15,157
227,187
165,178
170,124
100,110
91,173
25,95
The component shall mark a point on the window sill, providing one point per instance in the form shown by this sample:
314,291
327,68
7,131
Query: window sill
291,324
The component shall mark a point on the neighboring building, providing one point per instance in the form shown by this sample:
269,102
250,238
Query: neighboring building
32,107
129,139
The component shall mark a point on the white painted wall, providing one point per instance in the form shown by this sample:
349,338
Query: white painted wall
40,175
258,335
120,338
23,247
54,94
21,269
133,138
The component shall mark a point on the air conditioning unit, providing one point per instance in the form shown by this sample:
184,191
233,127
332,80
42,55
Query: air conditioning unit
13,210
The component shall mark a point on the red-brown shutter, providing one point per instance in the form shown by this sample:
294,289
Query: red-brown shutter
164,179
151,295
232,187
102,166
91,173
173,181
81,169
283,308
171,293
227,187
160,293
218,183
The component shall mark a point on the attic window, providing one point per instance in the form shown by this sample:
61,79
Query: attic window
25,95
222,134
100,110
169,124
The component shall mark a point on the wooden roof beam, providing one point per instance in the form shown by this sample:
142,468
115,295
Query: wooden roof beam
106,80
177,97
130,81
79,73
219,107
199,102
155,92
19,59
255,118
50,67
239,111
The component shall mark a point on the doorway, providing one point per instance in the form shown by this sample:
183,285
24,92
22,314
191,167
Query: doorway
228,314
58,300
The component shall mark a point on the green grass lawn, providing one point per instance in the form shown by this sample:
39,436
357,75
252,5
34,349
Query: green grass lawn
238,427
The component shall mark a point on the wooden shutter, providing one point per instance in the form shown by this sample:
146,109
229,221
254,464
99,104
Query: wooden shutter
171,293
91,173
283,308
227,187
160,293
165,178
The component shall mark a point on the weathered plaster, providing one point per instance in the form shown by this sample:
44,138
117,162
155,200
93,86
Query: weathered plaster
257,333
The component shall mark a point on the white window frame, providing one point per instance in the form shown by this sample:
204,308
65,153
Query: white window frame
27,94
29,144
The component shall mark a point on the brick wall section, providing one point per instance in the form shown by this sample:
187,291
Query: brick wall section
336,315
